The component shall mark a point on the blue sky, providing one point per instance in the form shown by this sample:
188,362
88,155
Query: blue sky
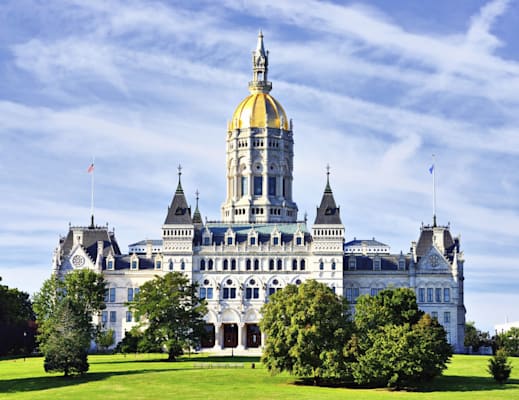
374,89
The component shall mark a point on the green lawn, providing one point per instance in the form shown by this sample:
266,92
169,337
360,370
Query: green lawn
202,377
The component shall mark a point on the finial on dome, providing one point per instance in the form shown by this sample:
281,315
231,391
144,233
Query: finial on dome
260,62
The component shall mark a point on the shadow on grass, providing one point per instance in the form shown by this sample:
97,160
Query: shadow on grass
222,359
441,384
465,384
57,381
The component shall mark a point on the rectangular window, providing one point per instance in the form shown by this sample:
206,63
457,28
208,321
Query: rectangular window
112,295
374,291
421,295
252,241
434,314
438,296
158,265
104,316
107,296
130,294
229,240
446,317
355,294
203,293
272,291
446,295
258,186
135,292
244,188
110,264
225,293
352,265
248,293
134,264
429,295
401,265
206,241
349,295
275,241
233,293
209,293
113,316
255,293
376,265
272,185
299,241
284,188
128,316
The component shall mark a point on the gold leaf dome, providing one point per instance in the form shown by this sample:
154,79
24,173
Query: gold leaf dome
259,110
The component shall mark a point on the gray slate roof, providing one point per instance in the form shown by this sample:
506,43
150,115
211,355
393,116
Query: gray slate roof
91,235
328,213
178,212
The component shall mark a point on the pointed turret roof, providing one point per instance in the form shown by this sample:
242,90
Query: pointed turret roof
328,213
178,212
197,217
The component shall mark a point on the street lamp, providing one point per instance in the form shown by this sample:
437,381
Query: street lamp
24,345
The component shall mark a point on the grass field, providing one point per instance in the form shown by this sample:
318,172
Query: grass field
202,377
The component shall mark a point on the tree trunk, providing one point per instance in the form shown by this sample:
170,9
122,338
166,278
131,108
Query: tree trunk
171,356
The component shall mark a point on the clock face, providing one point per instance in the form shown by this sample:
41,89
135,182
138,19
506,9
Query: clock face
78,261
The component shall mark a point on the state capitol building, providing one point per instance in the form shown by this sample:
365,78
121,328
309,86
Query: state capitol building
260,246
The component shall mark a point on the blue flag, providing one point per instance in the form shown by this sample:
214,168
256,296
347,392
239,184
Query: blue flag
431,169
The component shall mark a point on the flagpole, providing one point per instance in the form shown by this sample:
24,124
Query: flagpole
92,195
434,189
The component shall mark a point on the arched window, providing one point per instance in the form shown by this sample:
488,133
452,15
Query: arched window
321,265
210,264
229,290
333,265
302,265
256,265
248,264
280,265
225,264
233,264
294,264
271,265
202,265
182,265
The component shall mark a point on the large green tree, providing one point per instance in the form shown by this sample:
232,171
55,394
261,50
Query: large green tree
64,310
509,341
171,313
16,321
306,328
396,344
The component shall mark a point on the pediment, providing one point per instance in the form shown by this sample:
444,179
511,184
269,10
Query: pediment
433,260
79,259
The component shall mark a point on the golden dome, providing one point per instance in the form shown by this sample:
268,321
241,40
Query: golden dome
259,110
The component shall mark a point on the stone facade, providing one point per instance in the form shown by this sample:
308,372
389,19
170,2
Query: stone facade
260,246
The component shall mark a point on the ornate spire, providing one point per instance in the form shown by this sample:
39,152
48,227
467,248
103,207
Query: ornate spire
328,188
197,217
179,186
260,63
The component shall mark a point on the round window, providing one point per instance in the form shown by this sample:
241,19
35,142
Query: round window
206,282
275,282
252,282
229,281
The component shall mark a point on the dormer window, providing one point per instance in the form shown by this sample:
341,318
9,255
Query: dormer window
275,241
229,240
352,264
376,264
299,241
170,265
158,264
252,241
110,262
134,264
207,241
401,265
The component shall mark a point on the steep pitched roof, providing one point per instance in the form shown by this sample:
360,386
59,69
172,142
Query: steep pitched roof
328,213
178,212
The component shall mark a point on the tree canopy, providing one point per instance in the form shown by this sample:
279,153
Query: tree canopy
64,310
396,344
171,313
16,321
306,328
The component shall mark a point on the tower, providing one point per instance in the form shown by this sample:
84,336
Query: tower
259,154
